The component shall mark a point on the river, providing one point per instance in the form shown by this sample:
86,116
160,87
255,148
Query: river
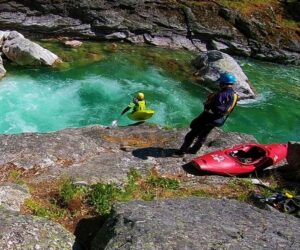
99,80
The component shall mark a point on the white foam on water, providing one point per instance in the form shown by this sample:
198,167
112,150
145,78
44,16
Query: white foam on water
260,99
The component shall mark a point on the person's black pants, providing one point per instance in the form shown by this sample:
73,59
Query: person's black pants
200,128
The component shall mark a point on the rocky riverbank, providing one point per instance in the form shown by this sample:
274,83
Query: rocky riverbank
98,154
200,26
104,154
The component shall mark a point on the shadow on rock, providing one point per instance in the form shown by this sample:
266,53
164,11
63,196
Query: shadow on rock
85,232
191,169
156,152
133,124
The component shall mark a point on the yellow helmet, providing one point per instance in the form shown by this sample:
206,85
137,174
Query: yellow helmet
140,96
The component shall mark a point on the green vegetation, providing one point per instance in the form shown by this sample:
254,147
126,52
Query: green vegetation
67,203
70,191
15,176
245,5
102,197
156,181
290,24
40,209
68,199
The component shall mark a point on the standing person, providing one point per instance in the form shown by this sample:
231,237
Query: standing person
138,103
217,108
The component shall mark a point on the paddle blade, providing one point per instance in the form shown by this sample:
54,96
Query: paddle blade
114,123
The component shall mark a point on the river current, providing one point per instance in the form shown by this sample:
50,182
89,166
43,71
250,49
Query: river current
99,80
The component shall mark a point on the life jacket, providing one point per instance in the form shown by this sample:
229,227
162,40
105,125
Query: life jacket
141,105
137,105
233,104
222,103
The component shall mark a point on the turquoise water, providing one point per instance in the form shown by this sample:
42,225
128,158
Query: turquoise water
84,93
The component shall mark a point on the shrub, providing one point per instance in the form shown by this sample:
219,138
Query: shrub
70,191
41,210
157,181
102,196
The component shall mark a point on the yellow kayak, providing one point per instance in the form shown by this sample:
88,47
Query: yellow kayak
141,115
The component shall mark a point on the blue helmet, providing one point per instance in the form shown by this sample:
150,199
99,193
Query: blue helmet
227,79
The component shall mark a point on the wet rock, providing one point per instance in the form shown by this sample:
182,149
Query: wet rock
175,41
211,64
30,232
196,223
3,36
73,43
2,69
12,196
24,52
292,170
231,48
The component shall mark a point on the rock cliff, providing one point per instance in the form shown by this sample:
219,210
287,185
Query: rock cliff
194,25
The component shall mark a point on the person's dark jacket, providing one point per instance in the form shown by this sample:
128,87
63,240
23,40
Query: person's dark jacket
220,102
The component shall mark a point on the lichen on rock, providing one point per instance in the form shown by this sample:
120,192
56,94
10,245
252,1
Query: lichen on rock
30,232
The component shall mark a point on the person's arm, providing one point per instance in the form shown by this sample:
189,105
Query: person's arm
125,110
130,106
209,101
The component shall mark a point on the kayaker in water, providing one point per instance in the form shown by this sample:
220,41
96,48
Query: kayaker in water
217,108
138,103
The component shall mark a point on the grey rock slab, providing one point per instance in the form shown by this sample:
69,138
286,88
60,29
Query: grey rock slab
38,150
12,196
212,63
29,232
196,223
24,52
103,154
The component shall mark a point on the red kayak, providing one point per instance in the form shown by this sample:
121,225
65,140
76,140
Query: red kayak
241,159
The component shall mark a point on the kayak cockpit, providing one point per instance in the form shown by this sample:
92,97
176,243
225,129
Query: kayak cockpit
248,155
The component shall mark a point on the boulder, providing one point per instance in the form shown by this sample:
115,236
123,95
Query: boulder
24,52
3,36
2,69
12,196
211,64
292,170
31,232
73,43
196,223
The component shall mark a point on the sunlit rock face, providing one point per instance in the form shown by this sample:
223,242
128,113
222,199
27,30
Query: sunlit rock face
105,154
196,223
2,69
30,232
12,196
24,52
211,64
